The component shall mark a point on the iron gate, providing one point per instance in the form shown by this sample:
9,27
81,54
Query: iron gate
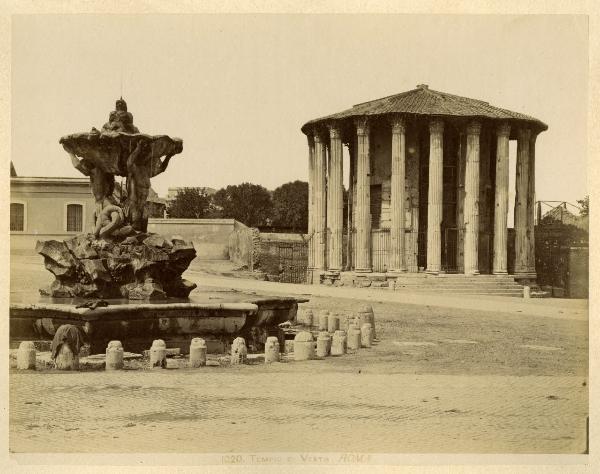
293,261
450,236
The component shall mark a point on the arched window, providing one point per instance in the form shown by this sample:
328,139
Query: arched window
17,217
74,218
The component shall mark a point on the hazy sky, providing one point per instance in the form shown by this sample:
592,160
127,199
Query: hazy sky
237,88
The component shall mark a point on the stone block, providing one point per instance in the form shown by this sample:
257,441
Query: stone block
354,338
198,351
158,354
323,320
323,344
366,335
114,356
333,323
239,352
304,346
271,350
26,356
338,343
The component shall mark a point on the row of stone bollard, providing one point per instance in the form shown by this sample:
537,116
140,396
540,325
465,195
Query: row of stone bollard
334,344
330,322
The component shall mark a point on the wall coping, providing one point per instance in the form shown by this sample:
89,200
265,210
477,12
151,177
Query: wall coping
161,220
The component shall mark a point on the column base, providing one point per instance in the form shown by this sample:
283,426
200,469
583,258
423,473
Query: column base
472,272
499,272
363,270
432,272
397,272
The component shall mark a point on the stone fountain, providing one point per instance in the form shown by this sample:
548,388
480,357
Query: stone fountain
121,282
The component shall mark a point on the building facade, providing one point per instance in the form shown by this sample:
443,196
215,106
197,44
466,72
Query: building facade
428,187
43,208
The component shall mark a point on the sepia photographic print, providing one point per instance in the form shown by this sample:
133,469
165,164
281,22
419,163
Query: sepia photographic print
318,241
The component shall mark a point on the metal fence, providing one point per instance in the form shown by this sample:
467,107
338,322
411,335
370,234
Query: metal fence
293,261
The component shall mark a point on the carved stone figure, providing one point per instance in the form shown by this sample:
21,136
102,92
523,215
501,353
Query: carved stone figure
119,259
120,120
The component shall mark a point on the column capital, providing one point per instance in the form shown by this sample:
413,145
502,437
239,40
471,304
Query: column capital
503,129
474,128
398,124
362,125
436,125
533,137
524,133
334,130
311,139
319,135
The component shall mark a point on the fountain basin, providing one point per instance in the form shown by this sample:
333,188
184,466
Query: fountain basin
215,316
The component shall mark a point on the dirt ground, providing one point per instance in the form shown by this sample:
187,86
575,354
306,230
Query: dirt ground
439,380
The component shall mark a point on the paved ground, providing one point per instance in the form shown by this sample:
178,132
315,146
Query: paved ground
495,375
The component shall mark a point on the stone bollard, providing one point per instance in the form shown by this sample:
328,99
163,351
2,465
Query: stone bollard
308,318
158,354
323,344
354,337
271,350
197,353
239,352
338,343
26,356
66,359
366,335
526,292
366,315
304,346
333,323
323,320
114,356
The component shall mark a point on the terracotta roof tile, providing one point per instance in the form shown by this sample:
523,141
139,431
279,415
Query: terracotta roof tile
424,101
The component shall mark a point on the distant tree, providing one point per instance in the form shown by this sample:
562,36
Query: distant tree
290,206
248,203
585,206
190,203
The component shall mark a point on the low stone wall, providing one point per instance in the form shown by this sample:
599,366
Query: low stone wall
244,245
209,236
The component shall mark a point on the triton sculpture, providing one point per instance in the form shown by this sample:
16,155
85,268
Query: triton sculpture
120,259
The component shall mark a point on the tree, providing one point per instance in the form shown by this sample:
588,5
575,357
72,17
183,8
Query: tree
290,206
585,206
190,203
248,203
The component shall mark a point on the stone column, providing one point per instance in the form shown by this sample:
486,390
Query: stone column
335,196
363,198
471,211
522,183
434,205
320,202
531,207
501,201
311,201
398,195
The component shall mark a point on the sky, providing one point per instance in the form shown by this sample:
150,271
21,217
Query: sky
237,88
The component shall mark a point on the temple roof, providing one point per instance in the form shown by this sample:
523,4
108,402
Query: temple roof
424,101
